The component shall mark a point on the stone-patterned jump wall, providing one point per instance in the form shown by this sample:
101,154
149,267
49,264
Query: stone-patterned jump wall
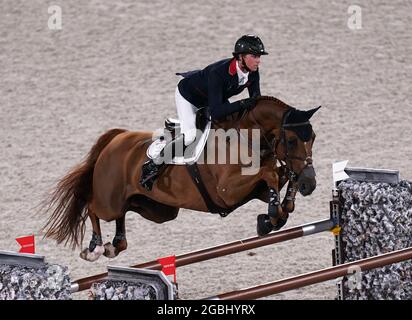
376,218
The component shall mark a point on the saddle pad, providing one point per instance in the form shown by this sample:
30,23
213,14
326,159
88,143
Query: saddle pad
192,153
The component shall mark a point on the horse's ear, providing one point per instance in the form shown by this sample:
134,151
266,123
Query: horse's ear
310,112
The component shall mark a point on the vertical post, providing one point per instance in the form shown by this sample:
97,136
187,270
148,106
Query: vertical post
337,253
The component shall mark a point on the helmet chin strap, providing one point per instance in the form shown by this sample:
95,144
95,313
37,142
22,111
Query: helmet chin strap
244,64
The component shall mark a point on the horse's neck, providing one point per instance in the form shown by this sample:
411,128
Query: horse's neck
266,116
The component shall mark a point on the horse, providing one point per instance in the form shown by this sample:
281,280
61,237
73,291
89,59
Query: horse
105,185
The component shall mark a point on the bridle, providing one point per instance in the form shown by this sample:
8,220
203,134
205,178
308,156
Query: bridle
286,164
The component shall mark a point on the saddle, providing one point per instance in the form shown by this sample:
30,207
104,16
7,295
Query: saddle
171,131
191,155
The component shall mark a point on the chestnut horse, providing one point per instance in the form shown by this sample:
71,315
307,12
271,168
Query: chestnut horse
106,184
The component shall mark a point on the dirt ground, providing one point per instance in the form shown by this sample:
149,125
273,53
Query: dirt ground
113,64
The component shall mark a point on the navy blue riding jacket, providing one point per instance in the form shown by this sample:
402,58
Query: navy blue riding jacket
214,85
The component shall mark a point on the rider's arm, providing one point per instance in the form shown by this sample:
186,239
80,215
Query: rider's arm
217,106
254,88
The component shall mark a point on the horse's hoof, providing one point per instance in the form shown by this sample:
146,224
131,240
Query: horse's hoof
109,250
279,224
92,255
264,226
288,207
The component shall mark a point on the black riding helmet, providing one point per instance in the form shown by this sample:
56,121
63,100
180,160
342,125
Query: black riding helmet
249,44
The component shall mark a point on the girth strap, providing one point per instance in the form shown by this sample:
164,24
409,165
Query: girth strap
197,179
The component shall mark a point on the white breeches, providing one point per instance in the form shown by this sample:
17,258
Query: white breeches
187,116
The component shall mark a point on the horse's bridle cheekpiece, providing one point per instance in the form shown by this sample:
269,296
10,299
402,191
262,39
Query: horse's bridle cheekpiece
292,175
286,164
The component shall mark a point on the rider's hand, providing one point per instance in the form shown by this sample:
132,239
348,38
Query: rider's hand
248,103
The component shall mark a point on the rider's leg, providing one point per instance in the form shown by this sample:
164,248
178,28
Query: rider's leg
187,116
152,167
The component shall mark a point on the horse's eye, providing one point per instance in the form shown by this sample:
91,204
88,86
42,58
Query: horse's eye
292,143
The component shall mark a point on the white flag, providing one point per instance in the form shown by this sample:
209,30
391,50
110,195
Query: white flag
338,169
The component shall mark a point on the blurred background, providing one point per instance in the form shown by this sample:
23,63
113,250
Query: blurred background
113,63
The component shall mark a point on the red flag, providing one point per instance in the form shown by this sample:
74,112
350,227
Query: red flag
168,266
27,244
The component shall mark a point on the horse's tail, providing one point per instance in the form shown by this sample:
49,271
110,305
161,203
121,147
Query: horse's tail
71,197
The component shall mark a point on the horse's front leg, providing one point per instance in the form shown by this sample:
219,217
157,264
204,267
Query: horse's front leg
288,203
276,217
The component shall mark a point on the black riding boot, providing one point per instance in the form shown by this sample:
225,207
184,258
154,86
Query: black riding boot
151,169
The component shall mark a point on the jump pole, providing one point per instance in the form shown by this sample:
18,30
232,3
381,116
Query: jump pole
222,250
316,276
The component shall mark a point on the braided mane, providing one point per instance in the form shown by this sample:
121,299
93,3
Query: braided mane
277,101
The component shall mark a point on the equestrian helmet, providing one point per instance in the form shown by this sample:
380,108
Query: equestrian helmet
249,44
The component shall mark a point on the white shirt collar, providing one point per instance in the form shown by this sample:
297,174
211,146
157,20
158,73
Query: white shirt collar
243,76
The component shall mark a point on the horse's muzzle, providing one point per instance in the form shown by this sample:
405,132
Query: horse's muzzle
307,181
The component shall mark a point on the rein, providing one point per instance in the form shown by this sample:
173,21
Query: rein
286,163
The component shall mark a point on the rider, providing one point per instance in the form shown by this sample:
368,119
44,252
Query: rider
209,90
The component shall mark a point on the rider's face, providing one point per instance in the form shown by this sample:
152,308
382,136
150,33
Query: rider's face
252,61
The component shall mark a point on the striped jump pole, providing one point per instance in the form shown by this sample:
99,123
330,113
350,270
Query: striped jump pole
316,276
222,250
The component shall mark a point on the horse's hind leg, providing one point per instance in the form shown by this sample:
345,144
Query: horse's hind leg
95,249
119,244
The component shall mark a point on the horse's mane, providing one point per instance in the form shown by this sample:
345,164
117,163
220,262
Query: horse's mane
275,100
238,116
